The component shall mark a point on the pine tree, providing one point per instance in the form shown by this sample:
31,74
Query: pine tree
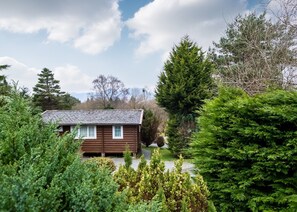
182,88
47,91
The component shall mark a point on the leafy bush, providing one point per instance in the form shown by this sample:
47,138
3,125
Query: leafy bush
247,150
160,141
41,171
174,190
103,162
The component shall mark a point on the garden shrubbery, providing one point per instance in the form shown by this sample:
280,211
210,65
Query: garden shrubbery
246,150
102,162
176,191
41,171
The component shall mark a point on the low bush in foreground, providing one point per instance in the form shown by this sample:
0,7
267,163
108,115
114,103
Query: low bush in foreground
102,162
176,191
246,150
41,171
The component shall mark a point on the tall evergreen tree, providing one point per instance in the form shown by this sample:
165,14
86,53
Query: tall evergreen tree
183,86
47,91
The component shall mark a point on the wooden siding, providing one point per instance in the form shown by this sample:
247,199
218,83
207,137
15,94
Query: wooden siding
104,143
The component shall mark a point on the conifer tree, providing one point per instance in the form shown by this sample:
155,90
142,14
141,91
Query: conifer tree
183,86
149,128
47,91
246,150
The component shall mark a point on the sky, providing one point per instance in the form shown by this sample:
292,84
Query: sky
129,39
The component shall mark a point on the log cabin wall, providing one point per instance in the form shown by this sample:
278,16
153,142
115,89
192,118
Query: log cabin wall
104,143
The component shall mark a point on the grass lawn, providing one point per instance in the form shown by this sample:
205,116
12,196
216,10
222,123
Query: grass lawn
165,154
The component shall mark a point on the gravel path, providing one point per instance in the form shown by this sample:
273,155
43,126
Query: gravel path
147,154
168,164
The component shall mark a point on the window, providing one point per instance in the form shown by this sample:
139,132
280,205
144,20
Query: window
85,132
117,132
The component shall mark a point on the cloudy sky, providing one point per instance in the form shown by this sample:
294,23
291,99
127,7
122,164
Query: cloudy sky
129,39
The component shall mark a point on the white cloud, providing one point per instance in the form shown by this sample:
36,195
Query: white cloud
98,32
162,23
72,79
19,72
92,26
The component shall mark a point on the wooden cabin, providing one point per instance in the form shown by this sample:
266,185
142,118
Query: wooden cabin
102,131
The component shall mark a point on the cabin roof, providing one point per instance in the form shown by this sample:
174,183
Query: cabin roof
95,117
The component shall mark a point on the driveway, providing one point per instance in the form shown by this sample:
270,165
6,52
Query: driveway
168,164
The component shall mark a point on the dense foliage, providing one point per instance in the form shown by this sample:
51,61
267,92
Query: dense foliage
67,101
179,131
41,171
175,190
103,162
246,150
149,127
186,80
183,86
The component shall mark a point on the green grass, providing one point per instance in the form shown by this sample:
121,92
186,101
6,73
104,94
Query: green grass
166,155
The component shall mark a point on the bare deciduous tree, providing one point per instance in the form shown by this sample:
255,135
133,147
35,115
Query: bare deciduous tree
109,90
257,54
285,12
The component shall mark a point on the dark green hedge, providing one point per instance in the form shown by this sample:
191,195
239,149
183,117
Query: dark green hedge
246,150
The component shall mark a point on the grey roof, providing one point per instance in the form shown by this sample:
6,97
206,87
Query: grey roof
97,117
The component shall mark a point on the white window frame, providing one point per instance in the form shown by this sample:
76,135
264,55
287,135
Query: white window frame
88,131
113,132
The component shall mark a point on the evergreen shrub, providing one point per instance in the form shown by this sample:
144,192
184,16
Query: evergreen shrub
41,171
246,150
174,190
103,162
149,127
